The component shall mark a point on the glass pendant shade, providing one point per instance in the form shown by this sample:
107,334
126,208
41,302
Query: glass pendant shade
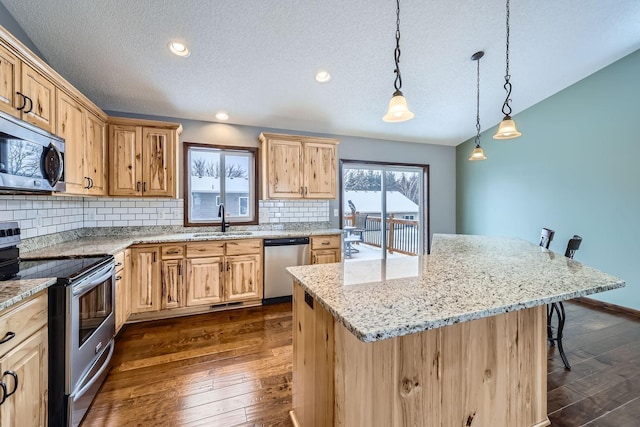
398,109
477,154
507,129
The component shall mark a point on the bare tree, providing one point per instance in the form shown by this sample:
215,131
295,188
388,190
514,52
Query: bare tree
198,167
24,159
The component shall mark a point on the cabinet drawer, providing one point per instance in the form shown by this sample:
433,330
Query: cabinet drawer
244,247
205,249
23,319
119,260
325,242
172,251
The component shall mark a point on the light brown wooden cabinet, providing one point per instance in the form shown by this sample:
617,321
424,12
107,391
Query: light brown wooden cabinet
145,279
298,167
172,284
244,278
25,93
205,281
123,288
10,75
26,357
142,158
95,155
325,249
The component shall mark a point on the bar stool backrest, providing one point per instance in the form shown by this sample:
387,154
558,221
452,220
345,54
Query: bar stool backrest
546,237
573,246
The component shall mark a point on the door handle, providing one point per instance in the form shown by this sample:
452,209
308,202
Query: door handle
24,101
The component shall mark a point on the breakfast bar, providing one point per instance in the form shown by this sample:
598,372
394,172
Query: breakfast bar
456,337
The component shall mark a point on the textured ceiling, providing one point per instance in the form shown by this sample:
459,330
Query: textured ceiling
257,59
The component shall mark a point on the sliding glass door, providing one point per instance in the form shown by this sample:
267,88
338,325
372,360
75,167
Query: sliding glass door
384,209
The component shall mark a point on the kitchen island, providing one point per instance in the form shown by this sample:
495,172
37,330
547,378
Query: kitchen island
457,337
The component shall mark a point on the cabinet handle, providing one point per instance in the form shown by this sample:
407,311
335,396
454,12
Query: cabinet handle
8,336
326,242
3,386
138,184
90,182
164,286
86,187
315,259
301,190
118,264
220,267
15,381
228,268
179,269
144,187
28,110
24,101
118,278
173,252
154,257
306,190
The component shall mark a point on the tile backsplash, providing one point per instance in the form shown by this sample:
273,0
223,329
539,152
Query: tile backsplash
42,215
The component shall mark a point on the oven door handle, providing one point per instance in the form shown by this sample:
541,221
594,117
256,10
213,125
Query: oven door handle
97,375
82,288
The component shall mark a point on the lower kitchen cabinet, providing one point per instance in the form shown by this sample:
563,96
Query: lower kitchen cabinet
145,279
123,288
205,281
24,363
244,277
325,249
172,284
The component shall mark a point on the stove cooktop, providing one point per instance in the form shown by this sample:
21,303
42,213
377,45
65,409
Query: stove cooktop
62,268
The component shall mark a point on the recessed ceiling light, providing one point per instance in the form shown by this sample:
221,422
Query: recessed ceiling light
222,116
323,76
179,49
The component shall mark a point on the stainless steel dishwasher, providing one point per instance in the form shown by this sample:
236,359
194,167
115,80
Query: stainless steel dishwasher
278,255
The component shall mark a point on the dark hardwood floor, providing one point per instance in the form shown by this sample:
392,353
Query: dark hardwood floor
234,368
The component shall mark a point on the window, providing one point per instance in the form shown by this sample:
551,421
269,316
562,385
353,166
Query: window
214,176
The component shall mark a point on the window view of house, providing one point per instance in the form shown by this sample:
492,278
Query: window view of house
220,177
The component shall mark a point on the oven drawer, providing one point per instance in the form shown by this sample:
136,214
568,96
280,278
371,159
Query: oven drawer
23,320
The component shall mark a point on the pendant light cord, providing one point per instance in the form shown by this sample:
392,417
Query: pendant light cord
478,106
398,81
506,108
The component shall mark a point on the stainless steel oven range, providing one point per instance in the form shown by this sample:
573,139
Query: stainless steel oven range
81,323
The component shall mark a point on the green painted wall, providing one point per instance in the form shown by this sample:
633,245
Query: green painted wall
575,169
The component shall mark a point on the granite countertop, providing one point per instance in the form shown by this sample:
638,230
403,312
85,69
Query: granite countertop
97,245
14,291
464,278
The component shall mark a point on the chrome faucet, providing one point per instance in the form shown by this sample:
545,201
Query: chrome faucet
224,224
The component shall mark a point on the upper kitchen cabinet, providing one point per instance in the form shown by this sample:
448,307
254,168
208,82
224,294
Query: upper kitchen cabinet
85,147
142,158
298,167
9,82
39,96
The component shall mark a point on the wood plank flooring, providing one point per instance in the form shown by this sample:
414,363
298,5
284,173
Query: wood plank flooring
234,368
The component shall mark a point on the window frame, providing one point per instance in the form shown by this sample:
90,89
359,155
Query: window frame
186,177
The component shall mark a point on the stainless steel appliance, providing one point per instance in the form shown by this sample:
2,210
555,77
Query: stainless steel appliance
31,159
278,255
81,323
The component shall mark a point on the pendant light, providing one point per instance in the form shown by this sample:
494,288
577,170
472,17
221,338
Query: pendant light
507,128
478,152
398,109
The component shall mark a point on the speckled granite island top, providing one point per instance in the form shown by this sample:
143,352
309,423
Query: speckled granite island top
14,291
464,278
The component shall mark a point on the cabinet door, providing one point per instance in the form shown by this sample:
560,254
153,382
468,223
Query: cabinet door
71,127
121,291
159,162
172,284
9,83
320,170
244,277
285,169
145,275
95,155
125,160
29,362
204,281
325,256
41,110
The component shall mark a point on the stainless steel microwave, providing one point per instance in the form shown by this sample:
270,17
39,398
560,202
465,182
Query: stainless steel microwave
31,159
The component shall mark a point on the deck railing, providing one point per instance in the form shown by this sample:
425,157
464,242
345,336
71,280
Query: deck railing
402,234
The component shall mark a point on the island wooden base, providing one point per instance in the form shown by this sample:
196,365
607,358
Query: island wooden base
485,372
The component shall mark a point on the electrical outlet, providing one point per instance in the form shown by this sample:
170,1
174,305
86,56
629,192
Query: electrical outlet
91,215
335,212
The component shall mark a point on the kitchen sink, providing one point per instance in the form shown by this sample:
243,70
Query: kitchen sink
221,234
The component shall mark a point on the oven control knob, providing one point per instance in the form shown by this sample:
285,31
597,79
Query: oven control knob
3,233
16,231
10,232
